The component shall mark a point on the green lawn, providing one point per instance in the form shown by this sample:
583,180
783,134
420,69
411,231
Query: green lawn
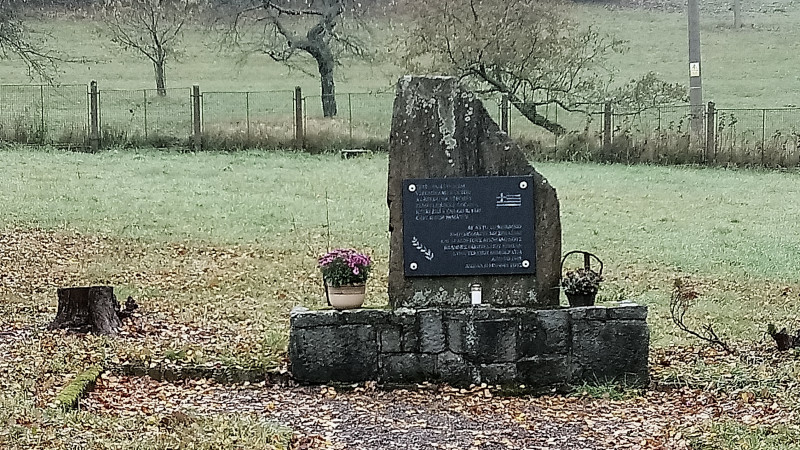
218,247
648,223
226,243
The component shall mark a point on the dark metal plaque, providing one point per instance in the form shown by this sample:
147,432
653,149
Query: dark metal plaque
468,226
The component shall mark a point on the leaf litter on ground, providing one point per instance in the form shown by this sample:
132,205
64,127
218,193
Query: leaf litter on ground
228,306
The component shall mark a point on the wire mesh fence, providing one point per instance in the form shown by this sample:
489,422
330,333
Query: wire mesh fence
143,117
248,119
656,135
362,120
43,114
62,115
767,137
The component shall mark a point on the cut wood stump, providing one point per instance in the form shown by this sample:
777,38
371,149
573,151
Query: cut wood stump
90,309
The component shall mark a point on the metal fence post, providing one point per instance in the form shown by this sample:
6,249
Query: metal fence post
607,117
711,130
763,133
350,111
659,118
94,117
247,112
299,135
196,128
144,108
504,113
555,135
43,131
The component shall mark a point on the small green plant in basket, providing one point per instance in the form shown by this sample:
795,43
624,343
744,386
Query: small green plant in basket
581,282
581,285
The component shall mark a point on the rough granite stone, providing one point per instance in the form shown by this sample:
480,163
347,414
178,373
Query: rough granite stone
456,334
407,367
439,129
361,316
611,350
454,369
308,318
501,373
538,348
493,341
345,353
543,371
409,341
543,332
629,311
589,313
485,312
404,317
431,331
391,340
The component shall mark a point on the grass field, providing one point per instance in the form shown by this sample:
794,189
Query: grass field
750,67
744,68
649,223
217,248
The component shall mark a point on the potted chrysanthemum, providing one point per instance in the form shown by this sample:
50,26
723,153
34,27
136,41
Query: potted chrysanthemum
345,272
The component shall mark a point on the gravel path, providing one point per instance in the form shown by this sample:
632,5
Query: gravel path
366,418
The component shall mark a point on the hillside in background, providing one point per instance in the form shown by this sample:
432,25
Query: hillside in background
748,67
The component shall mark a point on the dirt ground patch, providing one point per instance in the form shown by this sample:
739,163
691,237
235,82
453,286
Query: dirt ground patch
442,417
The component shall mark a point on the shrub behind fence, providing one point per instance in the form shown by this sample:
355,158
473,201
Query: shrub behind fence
62,116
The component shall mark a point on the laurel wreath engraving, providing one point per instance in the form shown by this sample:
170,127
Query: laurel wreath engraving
424,250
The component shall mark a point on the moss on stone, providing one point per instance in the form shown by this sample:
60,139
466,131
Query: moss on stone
69,397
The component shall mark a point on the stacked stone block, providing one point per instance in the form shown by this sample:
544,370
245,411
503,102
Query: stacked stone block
538,348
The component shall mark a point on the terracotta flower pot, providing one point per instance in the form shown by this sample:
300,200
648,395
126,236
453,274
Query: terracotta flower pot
347,297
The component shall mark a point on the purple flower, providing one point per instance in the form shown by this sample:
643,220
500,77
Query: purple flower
344,266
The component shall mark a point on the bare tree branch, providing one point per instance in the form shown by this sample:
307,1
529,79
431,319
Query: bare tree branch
152,28
286,31
18,41
531,50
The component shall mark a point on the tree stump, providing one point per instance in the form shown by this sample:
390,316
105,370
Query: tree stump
87,309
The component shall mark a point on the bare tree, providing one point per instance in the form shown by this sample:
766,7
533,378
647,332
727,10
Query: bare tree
18,41
531,50
289,28
152,28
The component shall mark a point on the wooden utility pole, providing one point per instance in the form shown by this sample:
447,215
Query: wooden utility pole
607,119
299,132
695,79
197,133
94,117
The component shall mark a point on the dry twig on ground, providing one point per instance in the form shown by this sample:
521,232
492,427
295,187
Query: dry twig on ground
683,293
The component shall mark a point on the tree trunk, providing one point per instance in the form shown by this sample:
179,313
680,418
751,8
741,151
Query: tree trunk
737,13
326,63
161,84
529,112
87,309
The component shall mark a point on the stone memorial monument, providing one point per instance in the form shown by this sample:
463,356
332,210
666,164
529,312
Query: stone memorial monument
443,133
474,269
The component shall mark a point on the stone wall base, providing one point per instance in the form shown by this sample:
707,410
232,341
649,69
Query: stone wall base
538,348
